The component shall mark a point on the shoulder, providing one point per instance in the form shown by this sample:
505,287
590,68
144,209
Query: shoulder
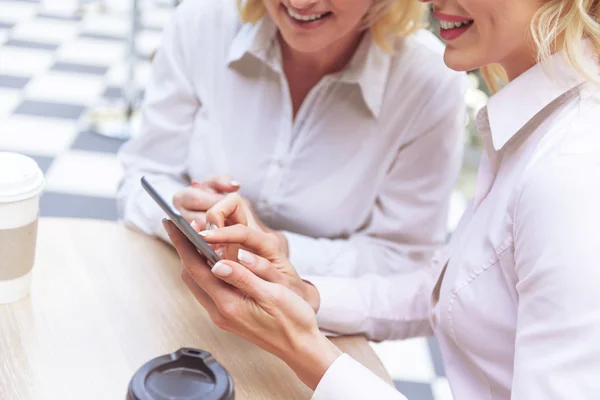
582,126
419,58
561,187
562,170
567,155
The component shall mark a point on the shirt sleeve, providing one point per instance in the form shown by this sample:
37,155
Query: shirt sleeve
410,217
349,380
159,150
556,224
378,307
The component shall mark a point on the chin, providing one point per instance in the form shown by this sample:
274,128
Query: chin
457,61
303,45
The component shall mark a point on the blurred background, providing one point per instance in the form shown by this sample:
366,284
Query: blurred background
72,75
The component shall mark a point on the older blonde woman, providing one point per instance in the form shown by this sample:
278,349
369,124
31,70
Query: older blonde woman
340,128
514,302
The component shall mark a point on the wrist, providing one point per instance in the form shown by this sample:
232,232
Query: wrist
312,357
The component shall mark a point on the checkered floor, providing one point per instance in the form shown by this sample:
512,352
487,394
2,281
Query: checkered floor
55,63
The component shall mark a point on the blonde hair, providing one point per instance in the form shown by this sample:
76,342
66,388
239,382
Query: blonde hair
560,25
388,20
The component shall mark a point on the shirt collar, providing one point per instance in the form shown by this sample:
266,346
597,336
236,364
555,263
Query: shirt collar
255,39
368,68
517,103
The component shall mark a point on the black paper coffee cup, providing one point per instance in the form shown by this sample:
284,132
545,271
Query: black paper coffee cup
188,374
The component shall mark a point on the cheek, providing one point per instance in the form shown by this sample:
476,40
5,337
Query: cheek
503,33
351,12
272,5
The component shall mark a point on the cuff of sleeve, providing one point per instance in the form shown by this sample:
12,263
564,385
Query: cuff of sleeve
349,380
339,310
300,249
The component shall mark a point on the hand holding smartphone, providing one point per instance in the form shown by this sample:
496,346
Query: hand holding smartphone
209,254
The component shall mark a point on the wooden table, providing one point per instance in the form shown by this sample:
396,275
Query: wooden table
105,300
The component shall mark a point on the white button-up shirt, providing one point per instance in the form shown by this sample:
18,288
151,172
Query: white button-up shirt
360,181
516,309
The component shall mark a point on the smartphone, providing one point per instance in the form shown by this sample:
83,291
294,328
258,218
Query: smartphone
211,257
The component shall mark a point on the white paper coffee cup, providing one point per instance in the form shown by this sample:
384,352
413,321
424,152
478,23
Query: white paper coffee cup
21,182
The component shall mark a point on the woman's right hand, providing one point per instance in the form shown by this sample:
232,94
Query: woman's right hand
264,313
193,201
259,251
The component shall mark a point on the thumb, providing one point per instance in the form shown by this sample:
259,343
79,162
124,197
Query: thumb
223,184
241,278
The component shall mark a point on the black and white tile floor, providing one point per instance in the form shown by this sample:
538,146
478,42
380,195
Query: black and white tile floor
55,63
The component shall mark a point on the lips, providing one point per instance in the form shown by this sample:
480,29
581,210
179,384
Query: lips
303,21
453,26
306,17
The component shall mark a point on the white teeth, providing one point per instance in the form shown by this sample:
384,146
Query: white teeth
304,18
452,25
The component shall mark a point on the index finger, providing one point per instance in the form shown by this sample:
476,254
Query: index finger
257,242
230,209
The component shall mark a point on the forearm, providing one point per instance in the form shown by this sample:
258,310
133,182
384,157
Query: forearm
381,308
311,357
356,256
160,150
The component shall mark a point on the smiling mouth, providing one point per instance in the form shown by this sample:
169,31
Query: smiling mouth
306,19
453,25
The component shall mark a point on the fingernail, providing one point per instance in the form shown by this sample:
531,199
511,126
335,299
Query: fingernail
165,223
245,257
220,252
234,183
206,233
213,227
221,269
194,225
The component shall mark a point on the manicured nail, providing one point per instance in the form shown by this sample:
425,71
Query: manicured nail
213,227
221,269
206,233
194,225
220,252
246,257
234,183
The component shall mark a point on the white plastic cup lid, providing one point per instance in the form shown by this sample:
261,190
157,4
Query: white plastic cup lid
20,177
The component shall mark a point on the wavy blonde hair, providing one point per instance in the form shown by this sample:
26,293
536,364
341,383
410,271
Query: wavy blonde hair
560,25
388,20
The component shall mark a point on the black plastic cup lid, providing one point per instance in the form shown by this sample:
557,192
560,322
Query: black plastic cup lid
187,374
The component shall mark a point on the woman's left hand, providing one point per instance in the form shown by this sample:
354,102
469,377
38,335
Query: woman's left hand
265,313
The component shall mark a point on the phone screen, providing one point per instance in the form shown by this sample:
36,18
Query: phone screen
211,257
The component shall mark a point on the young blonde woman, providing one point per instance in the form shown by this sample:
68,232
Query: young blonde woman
344,138
514,302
